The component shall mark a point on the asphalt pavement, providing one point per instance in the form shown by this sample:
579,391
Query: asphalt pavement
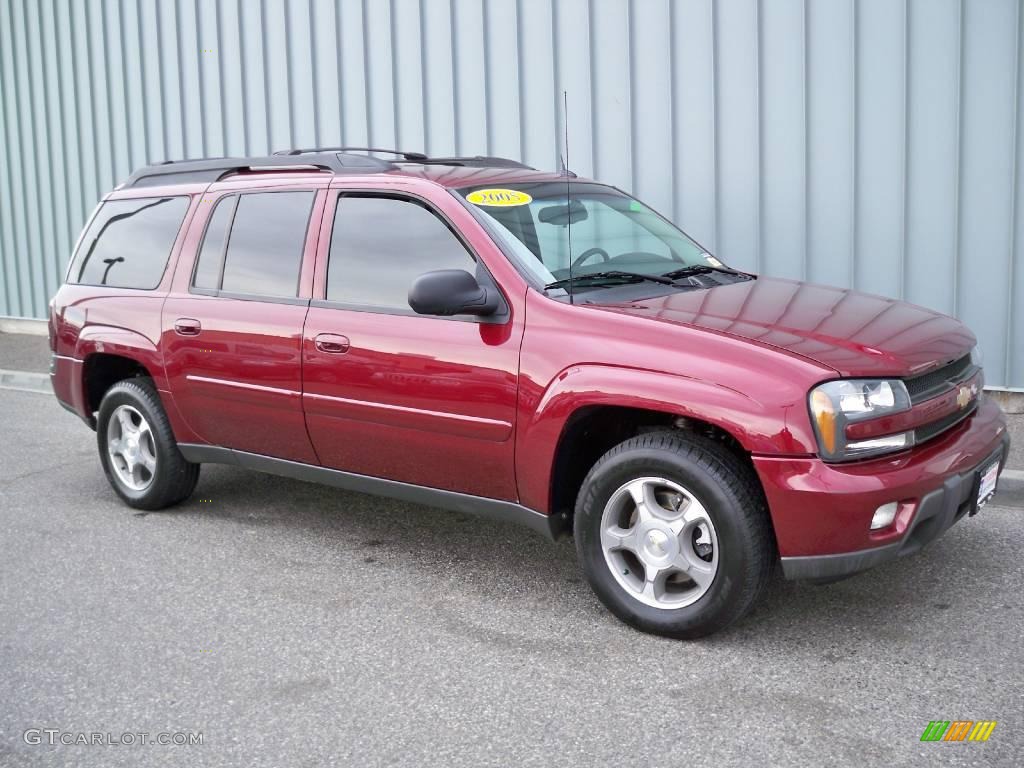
298,625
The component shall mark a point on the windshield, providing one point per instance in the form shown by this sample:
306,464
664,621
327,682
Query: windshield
611,231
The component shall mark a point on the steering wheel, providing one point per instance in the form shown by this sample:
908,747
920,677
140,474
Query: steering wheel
587,254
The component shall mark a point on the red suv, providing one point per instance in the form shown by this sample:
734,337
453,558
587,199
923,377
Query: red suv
473,334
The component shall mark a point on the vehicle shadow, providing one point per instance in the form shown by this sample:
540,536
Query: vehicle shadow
520,572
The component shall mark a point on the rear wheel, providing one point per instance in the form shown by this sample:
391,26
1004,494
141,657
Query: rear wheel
137,448
672,532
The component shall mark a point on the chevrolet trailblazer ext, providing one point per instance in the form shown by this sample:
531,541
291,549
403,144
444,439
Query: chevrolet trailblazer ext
409,328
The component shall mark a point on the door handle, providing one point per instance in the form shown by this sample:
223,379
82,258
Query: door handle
186,326
331,343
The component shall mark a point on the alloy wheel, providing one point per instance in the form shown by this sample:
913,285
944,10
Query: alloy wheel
131,448
659,542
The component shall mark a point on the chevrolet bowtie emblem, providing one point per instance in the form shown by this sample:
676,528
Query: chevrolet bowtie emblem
965,395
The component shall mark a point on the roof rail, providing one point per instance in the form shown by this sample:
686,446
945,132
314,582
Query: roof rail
211,169
414,156
477,161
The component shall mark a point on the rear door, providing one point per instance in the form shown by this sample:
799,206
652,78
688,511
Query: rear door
232,325
389,393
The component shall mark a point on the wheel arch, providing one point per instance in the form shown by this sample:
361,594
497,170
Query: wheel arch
588,409
110,355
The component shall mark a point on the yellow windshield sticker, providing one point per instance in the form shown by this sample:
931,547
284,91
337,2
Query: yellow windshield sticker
498,197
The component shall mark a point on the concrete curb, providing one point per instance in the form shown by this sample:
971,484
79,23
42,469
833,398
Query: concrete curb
23,381
25,325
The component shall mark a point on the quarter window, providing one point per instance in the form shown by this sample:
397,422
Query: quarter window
211,254
380,245
128,242
264,249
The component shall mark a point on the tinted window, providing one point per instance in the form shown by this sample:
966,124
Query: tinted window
211,254
381,245
265,247
128,242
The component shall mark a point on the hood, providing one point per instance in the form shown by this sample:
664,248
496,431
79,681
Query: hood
856,334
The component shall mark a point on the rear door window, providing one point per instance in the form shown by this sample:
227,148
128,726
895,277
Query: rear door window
128,243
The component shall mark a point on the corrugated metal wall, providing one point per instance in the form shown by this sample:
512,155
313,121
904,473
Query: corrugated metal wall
867,143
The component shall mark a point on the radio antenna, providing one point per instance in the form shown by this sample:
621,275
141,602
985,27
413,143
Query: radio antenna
568,197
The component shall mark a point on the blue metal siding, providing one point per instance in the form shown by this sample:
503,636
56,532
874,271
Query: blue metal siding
865,143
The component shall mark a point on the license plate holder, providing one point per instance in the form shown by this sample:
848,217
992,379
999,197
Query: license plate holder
988,476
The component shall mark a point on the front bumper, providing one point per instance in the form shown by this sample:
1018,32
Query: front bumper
822,512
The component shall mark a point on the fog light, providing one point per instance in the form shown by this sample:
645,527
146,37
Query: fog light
884,515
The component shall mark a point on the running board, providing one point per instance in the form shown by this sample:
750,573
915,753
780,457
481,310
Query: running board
550,526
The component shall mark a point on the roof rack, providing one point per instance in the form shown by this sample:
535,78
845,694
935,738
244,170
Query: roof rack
211,169
414,156
332,159
476,161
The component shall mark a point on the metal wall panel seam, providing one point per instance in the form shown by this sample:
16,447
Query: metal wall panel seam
805,101
488,117
7,236
395,104
852,266
181,80
560,101
128,106
27,275
60,161
1014,180
456,125
41,132
63,91
959,156
204,77
677,193
759,144
901,277
714,128
8,224
596,129
425,80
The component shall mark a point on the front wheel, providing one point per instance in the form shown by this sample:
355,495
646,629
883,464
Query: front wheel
673,535
137,448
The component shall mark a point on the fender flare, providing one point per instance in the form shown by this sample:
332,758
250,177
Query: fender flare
111,340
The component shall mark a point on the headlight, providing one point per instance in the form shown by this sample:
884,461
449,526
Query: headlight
835,404
977,358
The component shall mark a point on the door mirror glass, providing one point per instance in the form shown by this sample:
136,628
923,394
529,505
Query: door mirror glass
451,292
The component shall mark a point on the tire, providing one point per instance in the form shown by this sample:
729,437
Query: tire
171,478
702,508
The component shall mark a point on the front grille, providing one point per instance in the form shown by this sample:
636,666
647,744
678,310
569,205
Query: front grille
935,428
928,385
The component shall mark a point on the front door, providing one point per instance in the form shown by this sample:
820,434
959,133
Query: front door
389,393
232,326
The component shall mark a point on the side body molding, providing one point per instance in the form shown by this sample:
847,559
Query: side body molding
550,527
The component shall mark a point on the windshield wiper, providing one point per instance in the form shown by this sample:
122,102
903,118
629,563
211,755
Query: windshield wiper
702,269
611,275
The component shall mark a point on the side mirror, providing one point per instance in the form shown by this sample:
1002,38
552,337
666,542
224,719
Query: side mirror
451,292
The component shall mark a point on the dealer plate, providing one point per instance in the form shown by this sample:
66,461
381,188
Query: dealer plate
987,485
